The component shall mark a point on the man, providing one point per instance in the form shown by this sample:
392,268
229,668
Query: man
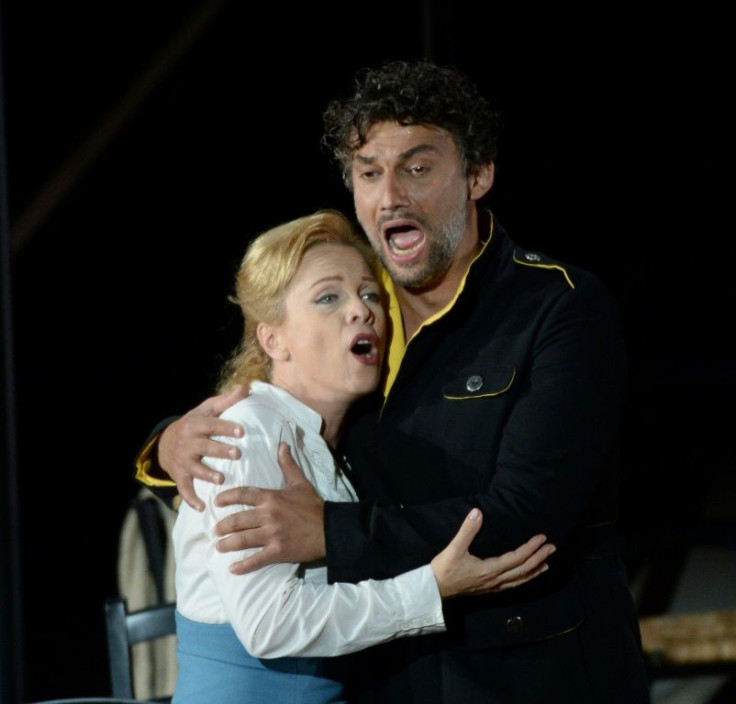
505,386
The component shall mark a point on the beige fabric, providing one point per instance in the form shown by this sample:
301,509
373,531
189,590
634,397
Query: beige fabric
154,664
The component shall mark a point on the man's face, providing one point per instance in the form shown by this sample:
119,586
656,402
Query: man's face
412,198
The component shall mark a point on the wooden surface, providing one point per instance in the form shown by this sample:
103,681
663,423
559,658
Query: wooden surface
691,638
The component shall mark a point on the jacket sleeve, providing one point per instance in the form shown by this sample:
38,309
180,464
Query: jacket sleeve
150,474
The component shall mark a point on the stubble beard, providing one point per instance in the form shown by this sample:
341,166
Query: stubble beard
442,243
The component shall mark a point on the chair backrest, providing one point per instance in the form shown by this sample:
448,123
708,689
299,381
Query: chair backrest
128,628
156,539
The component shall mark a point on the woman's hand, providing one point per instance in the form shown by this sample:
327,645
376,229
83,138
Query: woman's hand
458,572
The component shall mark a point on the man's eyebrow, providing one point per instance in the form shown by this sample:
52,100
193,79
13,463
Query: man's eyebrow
418,149
408,154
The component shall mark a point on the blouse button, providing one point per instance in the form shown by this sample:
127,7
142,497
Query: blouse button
474,382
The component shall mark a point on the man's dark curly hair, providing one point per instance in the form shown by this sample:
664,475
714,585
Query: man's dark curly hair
412,93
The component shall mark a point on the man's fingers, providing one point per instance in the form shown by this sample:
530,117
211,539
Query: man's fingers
215,405
259,559
240,495
240,540
224,401
187,494
185,485
290,469
183,444
201,428
204,447
235,523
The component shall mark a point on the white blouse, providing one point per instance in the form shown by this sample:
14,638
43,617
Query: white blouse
288,609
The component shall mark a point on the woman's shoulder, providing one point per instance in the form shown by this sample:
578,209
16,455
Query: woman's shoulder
262,410
270,403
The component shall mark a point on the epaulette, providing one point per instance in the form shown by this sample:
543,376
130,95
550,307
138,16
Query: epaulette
540,260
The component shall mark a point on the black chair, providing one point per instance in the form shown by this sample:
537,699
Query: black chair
127,628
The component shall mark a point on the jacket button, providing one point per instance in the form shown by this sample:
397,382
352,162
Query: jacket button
474,382
515,624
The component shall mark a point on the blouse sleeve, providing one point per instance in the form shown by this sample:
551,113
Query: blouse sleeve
276,612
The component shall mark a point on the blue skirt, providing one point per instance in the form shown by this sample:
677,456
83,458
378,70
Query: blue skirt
215,668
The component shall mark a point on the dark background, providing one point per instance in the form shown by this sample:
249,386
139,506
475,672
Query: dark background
146,142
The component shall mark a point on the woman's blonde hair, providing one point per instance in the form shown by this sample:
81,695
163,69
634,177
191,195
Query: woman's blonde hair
265,272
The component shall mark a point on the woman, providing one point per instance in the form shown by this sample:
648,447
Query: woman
315,329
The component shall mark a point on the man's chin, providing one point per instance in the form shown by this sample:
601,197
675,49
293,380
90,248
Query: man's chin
409,275
410,281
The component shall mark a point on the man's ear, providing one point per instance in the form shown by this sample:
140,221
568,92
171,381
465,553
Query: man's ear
270,341
480,180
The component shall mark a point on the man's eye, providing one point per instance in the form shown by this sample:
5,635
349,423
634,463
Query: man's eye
417,170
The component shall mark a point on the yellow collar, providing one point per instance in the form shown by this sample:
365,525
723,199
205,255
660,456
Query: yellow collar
397,343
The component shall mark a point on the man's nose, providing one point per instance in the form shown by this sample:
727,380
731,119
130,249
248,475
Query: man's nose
393,192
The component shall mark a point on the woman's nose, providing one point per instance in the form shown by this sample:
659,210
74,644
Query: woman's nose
359,311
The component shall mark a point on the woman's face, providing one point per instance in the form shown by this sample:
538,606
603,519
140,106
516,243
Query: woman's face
331,341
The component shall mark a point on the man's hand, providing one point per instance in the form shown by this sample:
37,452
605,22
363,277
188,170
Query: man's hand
187,440
459,572
287,523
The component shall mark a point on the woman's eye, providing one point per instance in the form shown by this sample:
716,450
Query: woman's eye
327,298
371,296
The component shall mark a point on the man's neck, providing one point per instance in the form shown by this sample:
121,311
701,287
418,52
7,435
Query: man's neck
418,305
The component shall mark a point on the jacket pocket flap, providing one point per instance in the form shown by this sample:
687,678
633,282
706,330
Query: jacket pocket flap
480,384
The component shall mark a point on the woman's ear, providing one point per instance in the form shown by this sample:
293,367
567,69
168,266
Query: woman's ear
481,180
270,341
